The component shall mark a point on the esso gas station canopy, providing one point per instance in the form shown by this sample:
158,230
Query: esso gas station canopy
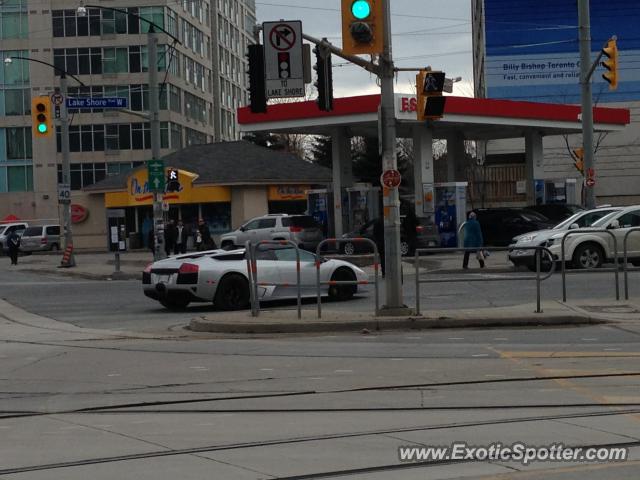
477,119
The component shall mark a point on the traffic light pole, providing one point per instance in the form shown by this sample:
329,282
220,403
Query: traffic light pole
66,169
391,197
154,120
587,101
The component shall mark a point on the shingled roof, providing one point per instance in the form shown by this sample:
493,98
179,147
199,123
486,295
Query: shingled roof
233,163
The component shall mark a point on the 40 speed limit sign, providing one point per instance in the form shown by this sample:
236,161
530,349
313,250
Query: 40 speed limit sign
64,193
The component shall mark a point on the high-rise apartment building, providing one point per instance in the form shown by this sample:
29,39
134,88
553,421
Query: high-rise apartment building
202,83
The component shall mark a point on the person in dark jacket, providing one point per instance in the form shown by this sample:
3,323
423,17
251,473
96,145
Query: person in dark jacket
13,242
473,239
207,242
169,237
181,235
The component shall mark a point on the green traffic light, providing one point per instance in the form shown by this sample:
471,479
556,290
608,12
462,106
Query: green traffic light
42,128
361,9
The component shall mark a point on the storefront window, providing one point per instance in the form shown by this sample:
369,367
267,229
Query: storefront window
217,216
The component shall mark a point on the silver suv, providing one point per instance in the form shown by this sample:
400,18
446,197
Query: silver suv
42,237
301,229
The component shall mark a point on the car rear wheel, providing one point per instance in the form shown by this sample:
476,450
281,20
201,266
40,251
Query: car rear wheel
232,293
405,248
54,247
348,248
174,303
588,255
342,292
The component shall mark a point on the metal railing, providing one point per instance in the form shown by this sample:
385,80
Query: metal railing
563,259
538,277
626,258
252,270
376,265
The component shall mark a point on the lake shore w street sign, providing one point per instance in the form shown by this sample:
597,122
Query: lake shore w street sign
97,102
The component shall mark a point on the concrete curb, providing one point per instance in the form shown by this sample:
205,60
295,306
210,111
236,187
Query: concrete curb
386,323
84,275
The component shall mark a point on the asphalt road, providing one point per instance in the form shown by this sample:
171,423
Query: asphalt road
121,304
99,406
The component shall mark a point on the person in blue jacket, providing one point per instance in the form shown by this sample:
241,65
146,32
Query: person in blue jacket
473,239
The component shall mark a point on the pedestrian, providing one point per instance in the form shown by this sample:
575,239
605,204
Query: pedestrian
181,236
473,239
206,241
169,237
13,242
378,238
151,241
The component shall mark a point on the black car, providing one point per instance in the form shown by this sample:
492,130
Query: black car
556,212
500,225
426,237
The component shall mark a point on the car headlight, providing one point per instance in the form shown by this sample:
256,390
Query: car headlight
527,238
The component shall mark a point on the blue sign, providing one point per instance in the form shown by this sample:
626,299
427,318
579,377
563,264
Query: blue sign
97,102
533,53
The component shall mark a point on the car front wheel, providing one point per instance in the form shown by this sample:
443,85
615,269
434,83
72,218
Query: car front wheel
405,248
348,248
588,255
232,293
342,292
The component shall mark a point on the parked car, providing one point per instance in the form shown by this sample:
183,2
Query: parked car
500,225
40,238
221,276
6,229
556,212
301,229
582,219
589,248
426,237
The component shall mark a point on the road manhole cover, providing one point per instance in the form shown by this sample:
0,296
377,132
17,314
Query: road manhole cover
611,309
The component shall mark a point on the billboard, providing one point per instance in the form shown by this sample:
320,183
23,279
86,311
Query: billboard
533,52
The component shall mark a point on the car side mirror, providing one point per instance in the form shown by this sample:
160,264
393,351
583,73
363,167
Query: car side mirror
614,225
574,226
242,228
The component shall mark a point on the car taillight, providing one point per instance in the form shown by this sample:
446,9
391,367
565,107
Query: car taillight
295,229
147,269
419,229
188,268
43,241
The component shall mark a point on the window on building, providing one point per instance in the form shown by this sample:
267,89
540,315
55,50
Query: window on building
20,178
17,101
14,19
115,60
18,143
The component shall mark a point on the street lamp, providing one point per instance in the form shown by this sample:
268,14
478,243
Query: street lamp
154,112
64,147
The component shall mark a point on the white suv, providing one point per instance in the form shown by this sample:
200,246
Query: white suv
301,229
590,249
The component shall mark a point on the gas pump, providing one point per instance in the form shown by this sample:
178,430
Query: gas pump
318,202
363,205
451,211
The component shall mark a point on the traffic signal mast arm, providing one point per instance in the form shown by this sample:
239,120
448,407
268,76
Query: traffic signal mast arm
368,66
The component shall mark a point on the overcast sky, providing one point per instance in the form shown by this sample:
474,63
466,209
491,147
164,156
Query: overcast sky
432,33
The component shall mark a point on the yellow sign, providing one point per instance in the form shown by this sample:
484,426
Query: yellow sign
288,192
139,193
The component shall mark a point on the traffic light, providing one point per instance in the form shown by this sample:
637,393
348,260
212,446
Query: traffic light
173,180
324,84
611,64
362,27
579,162
257,87
41,116
429,86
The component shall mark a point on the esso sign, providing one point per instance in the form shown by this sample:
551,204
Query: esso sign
78,213
408,104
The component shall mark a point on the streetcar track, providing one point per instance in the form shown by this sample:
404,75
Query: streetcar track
317,438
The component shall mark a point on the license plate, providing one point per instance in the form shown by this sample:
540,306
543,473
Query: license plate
163,278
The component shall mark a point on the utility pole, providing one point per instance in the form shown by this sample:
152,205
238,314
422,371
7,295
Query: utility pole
154,120
584,22
66,169
391,197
